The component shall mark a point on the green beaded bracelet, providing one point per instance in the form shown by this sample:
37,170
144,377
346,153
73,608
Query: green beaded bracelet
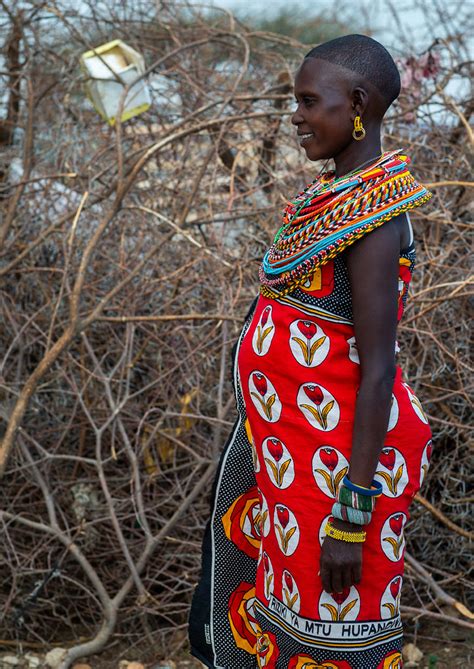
355,500
351,515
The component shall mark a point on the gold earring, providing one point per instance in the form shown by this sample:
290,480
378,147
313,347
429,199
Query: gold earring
358,128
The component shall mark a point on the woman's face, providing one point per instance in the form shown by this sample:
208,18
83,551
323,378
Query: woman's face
324,115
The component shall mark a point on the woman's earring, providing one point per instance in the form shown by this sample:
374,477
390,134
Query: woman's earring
359,131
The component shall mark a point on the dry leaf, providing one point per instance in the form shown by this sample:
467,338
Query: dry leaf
411,653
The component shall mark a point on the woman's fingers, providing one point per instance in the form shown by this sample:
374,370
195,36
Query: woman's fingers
347,578
340,567
336,580
326,578
356,573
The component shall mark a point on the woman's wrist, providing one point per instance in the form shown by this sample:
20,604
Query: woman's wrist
345,526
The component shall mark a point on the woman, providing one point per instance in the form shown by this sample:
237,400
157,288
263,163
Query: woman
303,554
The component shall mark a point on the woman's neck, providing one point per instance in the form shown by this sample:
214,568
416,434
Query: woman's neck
356,155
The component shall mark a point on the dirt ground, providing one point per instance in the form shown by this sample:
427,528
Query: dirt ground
443,647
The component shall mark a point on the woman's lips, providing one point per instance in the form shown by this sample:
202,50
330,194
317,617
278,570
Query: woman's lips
305,138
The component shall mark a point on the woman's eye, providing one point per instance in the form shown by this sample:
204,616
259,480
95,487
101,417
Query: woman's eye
306,101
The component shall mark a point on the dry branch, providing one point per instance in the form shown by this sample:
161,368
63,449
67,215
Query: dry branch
128,261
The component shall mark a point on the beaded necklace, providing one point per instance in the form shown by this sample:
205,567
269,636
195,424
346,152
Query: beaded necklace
323,180
339,180
331,213
329,174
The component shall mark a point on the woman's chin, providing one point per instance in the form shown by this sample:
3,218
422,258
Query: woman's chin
312,153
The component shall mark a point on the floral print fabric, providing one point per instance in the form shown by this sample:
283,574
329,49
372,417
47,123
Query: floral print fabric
296,376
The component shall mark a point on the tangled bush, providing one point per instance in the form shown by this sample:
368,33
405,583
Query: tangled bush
128,260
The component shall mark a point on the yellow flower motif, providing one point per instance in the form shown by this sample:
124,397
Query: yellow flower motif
393,661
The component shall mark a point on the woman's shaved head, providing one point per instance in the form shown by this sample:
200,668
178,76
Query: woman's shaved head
367,58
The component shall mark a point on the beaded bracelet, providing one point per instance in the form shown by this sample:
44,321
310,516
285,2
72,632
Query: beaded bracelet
353,499
350,514
342,535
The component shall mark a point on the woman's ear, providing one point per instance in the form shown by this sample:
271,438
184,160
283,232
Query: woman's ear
360,99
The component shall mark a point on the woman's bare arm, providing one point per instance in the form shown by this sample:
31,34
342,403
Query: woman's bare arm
372,264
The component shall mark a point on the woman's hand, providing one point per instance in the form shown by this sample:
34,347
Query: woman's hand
341,561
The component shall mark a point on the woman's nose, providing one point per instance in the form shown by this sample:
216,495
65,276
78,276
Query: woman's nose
296,117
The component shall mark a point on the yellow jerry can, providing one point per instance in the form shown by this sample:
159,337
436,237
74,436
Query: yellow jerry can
109,69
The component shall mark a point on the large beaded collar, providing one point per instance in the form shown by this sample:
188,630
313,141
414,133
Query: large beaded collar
332,213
